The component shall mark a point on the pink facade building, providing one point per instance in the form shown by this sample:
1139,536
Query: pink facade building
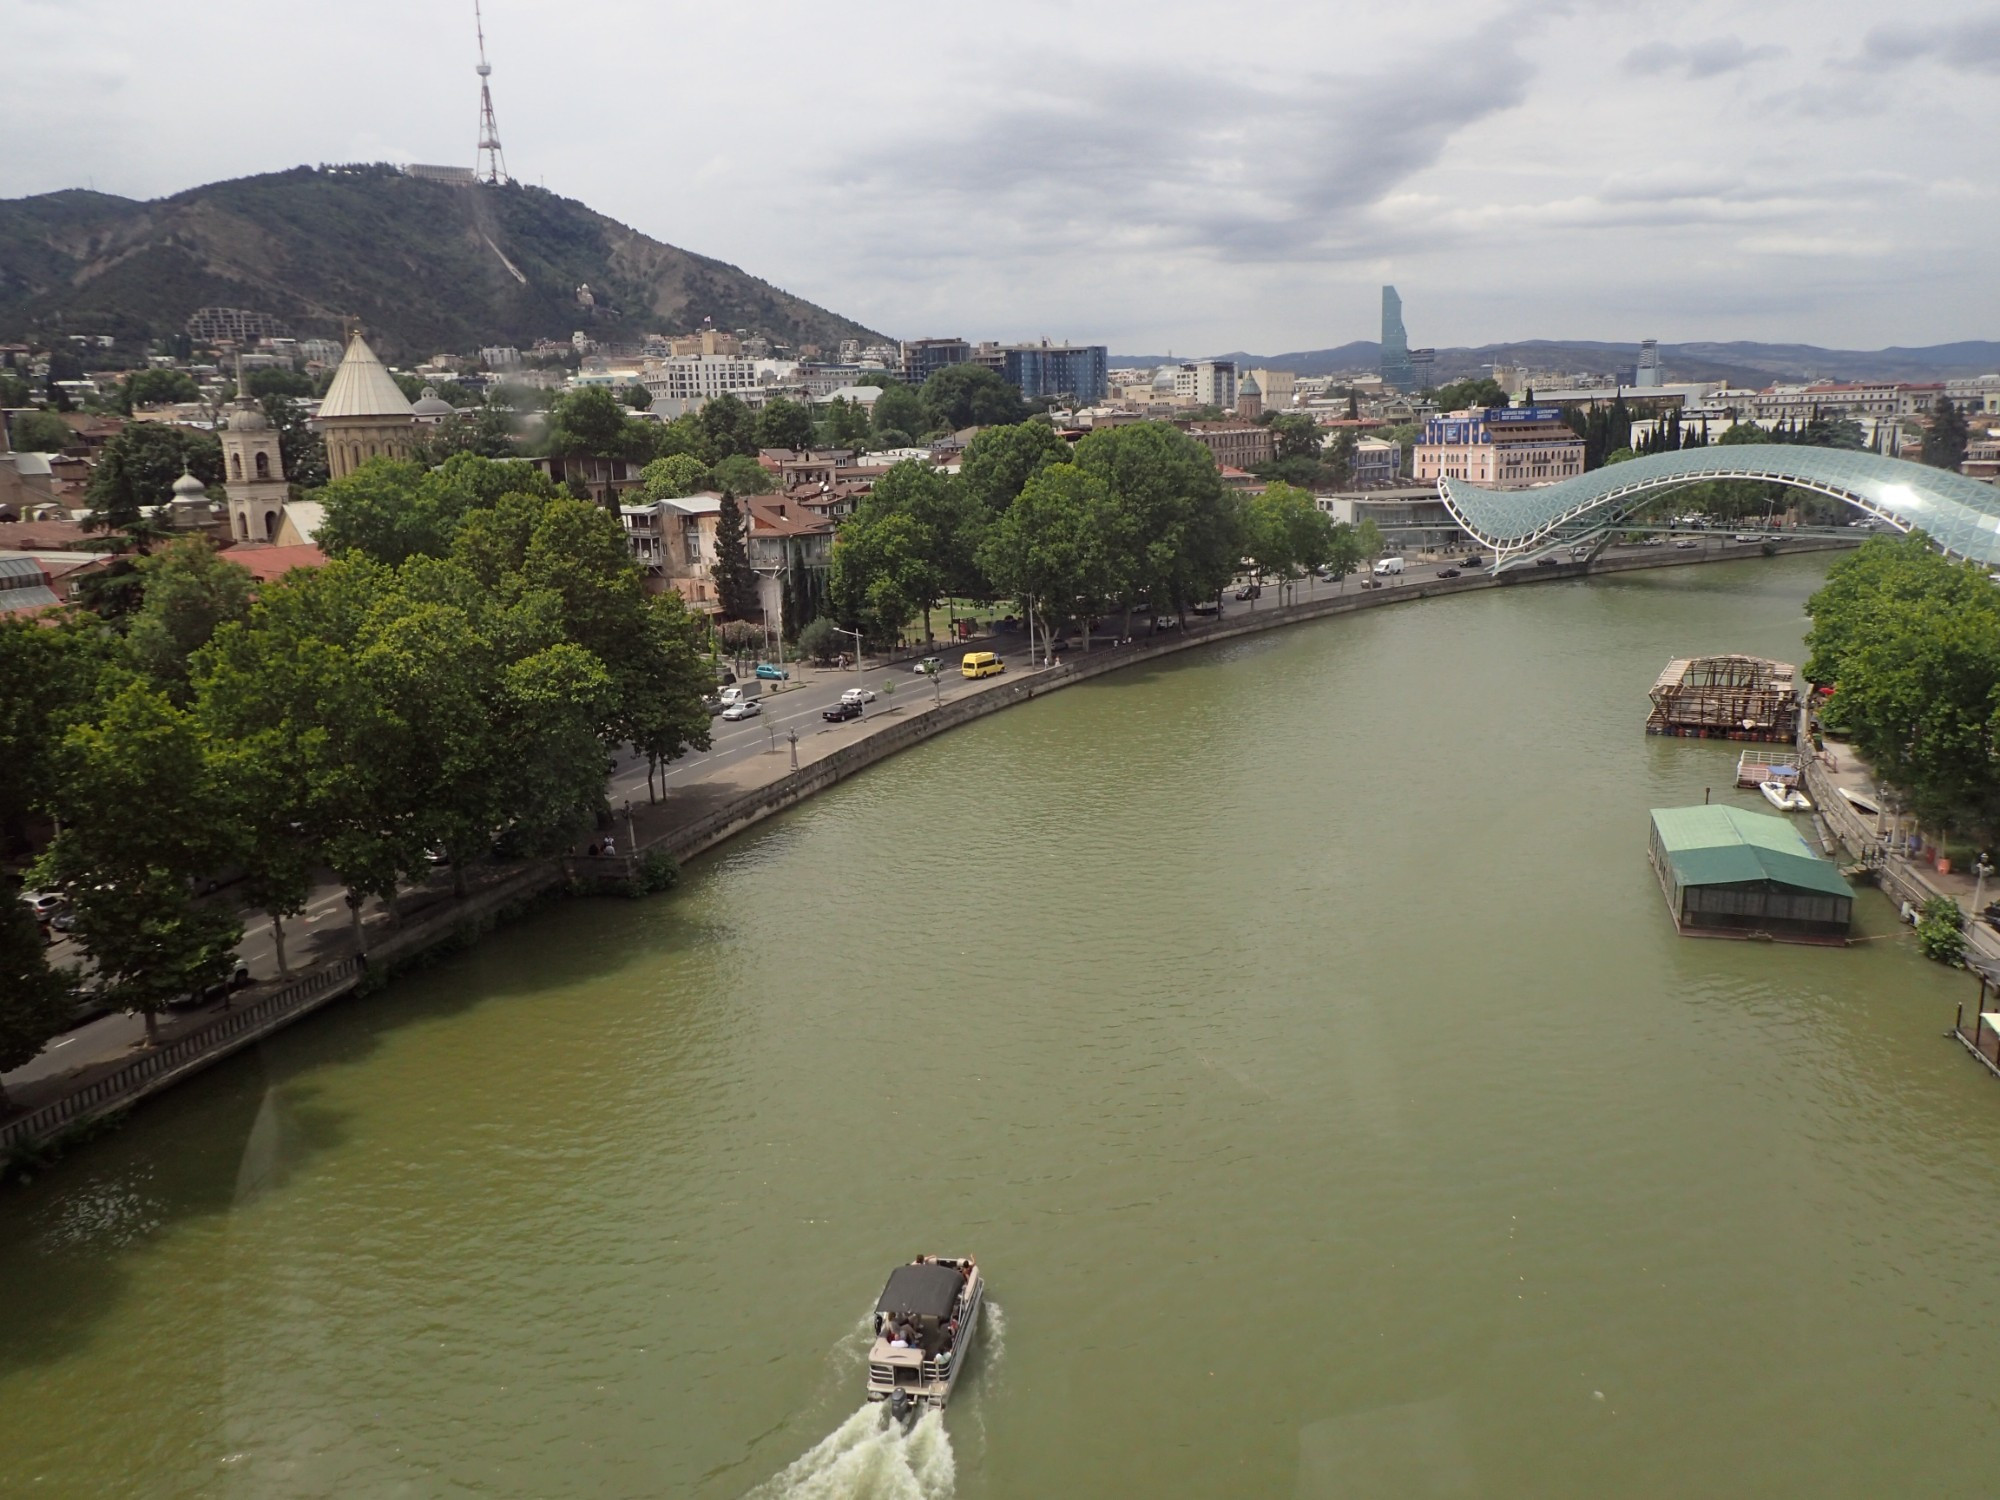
1506,448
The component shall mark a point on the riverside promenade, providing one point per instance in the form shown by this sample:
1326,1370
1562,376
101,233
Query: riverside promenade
102,1069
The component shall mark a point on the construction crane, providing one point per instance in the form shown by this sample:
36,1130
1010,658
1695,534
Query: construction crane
492,160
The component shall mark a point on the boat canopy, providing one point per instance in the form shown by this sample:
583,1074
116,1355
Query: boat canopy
926,1291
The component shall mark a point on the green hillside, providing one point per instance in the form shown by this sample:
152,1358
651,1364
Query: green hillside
425,267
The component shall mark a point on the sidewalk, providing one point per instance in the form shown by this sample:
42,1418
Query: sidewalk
1839,767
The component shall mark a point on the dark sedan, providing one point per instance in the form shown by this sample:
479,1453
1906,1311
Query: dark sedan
841,712
1447,572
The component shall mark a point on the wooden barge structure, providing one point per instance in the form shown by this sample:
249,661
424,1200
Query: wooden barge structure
1726,698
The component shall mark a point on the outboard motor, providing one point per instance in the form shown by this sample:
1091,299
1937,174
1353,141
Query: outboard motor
903,1406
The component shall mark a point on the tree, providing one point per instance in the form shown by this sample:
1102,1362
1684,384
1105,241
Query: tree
908,547
635,396
784,424
968,396
1911,641
735,583
50,678
742,640
35,1000
845,425
1177,538
670,478
1480,390
744,475
592,422
820,641
41,432
390,509
300,449
157,388
138,468
727,427
1946,437
899,416
282,383
1295,435
1001,460
1052,548
385,511
141,819
190,590
1286,533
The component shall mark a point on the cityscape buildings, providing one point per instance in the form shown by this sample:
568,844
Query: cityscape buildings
1397,372
1506,447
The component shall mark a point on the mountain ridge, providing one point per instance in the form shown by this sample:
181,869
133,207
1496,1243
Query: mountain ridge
1737,361
424,266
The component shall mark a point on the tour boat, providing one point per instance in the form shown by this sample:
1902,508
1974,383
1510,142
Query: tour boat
924,1323
1785,798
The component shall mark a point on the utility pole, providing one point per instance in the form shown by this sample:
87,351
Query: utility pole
793,736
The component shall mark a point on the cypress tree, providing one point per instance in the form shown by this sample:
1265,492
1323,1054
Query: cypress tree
735,584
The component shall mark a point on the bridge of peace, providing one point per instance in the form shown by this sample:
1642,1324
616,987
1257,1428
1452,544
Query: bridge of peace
1960,516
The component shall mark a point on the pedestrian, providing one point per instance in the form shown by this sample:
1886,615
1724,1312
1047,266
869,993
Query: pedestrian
593,851
610,848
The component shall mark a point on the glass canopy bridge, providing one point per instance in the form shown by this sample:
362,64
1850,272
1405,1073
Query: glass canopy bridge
1961,516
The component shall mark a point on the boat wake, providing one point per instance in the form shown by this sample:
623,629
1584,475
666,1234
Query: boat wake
871,1456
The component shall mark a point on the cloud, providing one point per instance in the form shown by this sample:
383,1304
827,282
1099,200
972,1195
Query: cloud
1969,46
1708,59
1173,157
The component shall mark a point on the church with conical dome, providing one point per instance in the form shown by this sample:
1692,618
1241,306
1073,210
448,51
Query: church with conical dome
365,414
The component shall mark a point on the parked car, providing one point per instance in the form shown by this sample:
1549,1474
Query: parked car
858,695
930,666
1207,607
772,672
1373,583
1166,622
1548,562
1447,572
1746,536
846,708
1654,541
64,920
44,904
713,703
1473,560
1250,591
743,708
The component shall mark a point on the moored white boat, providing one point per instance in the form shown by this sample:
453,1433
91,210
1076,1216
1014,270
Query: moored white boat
924,1325
1785,798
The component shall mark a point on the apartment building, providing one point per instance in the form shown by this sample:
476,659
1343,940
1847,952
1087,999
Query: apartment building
1235,444
1502,447
1208,382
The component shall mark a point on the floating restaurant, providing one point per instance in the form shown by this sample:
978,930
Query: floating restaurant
1731,873
1726,698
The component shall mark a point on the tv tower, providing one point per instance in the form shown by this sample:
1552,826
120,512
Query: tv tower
492,160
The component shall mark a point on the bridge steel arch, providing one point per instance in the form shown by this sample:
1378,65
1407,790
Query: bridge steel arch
1961,516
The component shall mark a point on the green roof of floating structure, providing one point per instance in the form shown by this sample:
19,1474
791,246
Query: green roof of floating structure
1960,515
1728,846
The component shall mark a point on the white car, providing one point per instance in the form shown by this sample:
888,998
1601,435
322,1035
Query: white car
858,695
743,708
930,666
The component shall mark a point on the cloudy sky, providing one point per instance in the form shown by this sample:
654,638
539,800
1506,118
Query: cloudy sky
1157,176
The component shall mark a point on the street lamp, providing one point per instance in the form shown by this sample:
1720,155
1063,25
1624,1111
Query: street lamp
859,665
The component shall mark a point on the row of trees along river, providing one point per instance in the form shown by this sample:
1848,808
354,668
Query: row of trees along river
457,687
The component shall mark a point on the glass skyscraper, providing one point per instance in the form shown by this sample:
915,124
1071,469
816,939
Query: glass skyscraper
1397,371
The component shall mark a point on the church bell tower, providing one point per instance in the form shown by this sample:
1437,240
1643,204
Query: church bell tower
253,470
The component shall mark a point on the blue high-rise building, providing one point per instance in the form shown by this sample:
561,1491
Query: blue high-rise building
1397,371
1080,371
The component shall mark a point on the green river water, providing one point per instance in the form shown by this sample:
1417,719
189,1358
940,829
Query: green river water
1295,1032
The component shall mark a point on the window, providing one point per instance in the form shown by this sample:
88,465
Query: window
263,466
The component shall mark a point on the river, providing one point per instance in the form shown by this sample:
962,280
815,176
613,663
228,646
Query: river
1295,1032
